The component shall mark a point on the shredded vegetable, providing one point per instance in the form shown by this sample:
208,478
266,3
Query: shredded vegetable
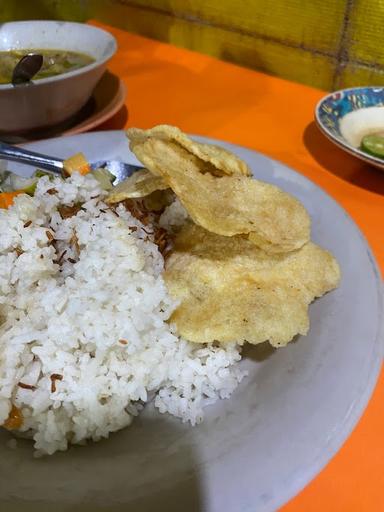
6,198
11,184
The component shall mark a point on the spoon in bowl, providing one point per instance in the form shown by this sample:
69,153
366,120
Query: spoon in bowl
120,170
26,68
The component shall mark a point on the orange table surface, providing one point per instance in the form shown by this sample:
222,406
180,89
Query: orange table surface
206,96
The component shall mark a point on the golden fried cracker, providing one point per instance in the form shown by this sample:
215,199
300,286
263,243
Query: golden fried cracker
229,290
140,184
211,158
230,205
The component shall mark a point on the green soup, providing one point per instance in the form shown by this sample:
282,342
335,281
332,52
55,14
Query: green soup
55,62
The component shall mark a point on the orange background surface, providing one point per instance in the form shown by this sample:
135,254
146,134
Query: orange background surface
205,96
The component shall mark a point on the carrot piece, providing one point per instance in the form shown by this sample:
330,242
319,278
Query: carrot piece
76,163
6,198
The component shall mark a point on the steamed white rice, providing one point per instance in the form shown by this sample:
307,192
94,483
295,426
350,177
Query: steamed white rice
96,320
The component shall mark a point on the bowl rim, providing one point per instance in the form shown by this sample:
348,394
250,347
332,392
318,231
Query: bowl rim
340,141
93,65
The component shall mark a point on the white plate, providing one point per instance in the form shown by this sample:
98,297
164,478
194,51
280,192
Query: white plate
256,450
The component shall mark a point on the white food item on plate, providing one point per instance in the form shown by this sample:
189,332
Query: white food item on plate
88,334
361,122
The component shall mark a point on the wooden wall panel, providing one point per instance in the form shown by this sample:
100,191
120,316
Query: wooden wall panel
365,34
259,53
355,75
288,22
71,10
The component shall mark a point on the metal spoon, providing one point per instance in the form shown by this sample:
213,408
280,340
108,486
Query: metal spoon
26,68
120,170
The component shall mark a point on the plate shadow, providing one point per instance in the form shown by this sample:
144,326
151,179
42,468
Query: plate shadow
340,163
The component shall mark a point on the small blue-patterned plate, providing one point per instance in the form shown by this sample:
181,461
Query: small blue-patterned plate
333,107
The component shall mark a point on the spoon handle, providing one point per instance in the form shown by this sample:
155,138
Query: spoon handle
24,156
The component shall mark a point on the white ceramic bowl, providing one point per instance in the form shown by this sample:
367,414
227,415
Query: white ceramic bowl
52,100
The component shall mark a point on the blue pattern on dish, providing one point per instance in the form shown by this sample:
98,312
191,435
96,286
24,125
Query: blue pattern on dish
335,106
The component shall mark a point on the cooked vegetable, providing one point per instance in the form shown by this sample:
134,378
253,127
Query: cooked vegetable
12,184
39,174
55,62
142,183
6,198
20,183
4,174
373,145
104,177
76,163
9,182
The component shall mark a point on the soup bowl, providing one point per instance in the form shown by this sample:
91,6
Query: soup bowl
52,100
